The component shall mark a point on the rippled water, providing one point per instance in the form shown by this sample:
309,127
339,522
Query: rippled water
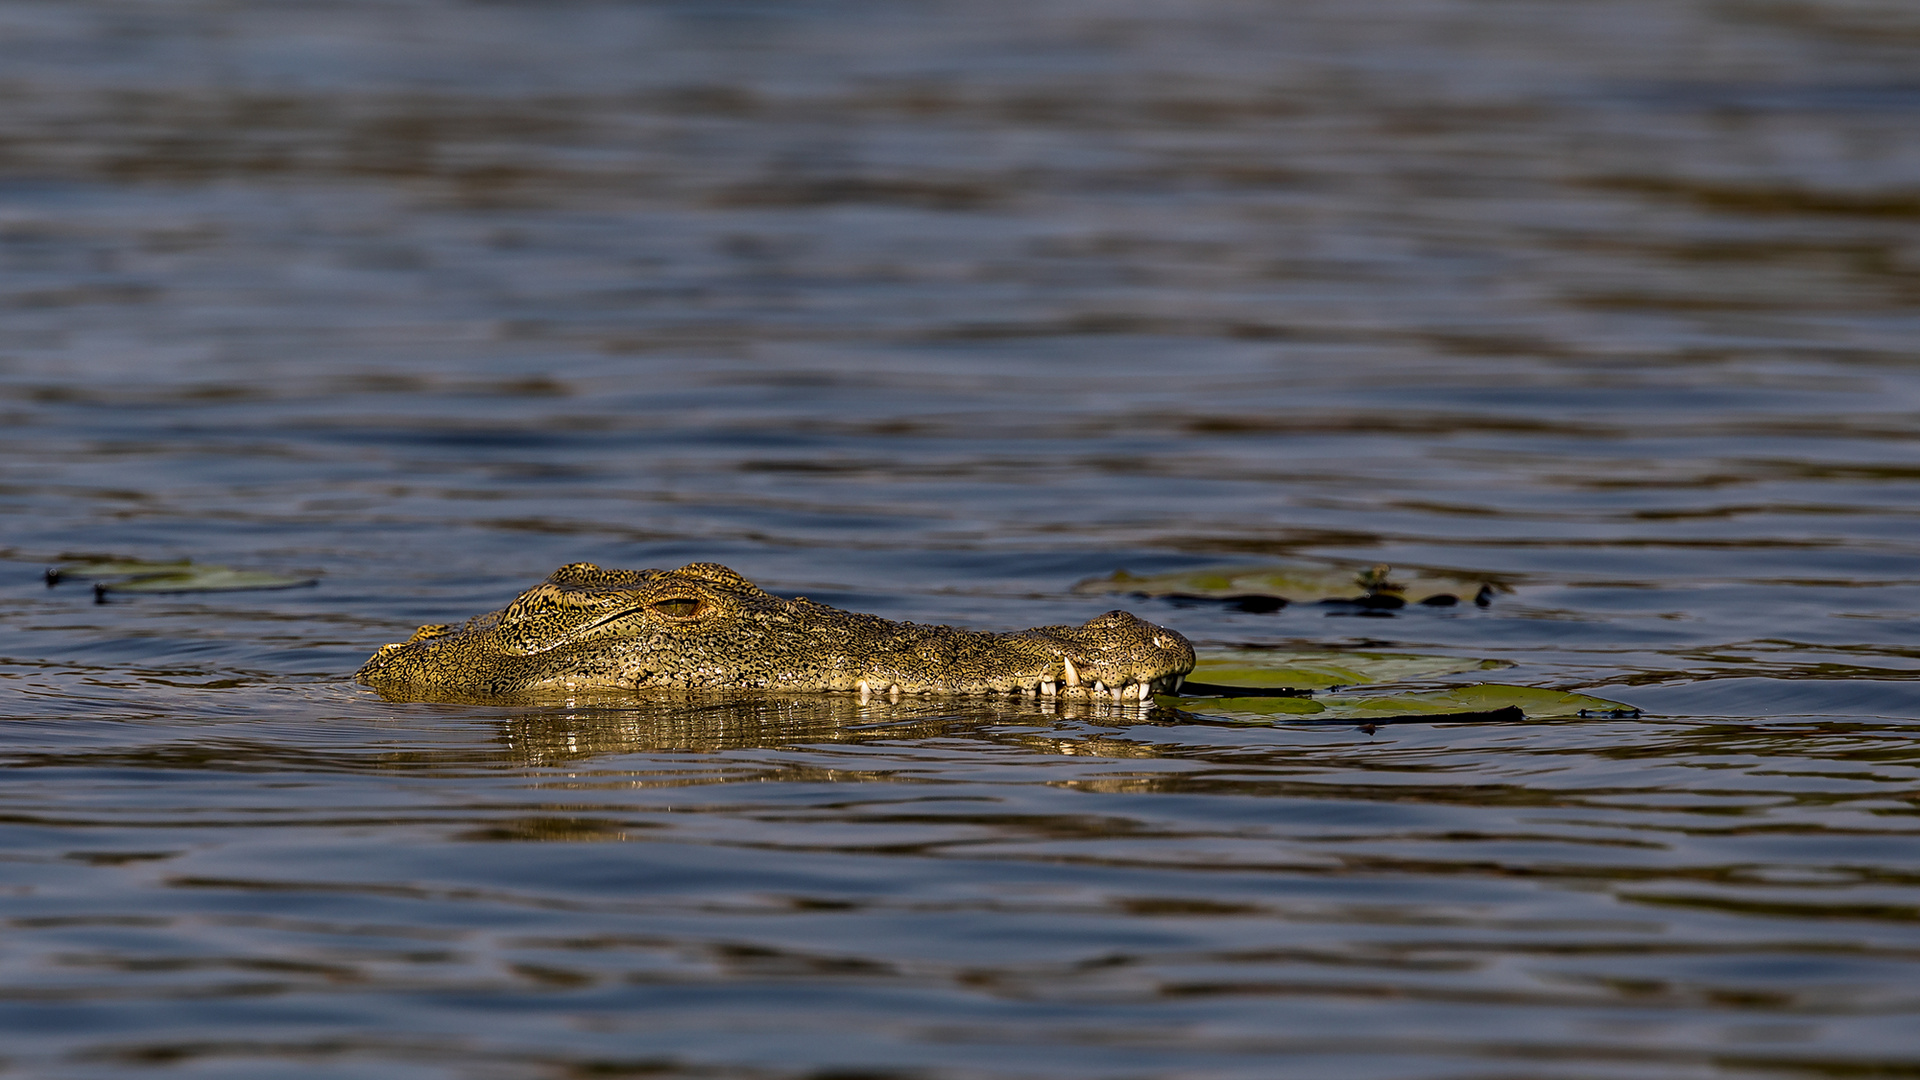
934,310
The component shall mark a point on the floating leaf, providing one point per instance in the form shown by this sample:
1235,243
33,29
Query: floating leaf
140,576
1239,707
93,570
1325,669
1257,685
211,579
1479,699
1535,702
1268,588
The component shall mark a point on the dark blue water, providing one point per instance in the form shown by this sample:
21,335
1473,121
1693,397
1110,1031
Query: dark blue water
935,310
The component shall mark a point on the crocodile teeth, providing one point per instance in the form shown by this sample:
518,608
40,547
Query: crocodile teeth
866,692
1073,677
1046,688
1099,687
893,692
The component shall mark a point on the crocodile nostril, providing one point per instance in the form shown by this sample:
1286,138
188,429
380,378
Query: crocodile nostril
679,607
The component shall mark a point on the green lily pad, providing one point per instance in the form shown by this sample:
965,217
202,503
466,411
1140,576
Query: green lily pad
1267,588
1478,699
211,579
1244,707
182,576
1324,670
97,569
1537,703
1280,683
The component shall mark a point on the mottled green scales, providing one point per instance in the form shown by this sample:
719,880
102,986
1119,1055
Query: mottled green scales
705,627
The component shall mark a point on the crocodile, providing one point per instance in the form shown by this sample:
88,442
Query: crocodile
704,627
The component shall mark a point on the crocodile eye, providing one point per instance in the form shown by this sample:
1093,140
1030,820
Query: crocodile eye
680,607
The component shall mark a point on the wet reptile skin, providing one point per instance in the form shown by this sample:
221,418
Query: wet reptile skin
705,627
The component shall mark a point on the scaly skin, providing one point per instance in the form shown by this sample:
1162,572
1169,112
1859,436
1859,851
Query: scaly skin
705,627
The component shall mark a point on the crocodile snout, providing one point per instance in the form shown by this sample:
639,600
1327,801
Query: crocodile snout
1118,655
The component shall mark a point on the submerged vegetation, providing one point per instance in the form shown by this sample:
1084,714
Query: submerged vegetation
1272,587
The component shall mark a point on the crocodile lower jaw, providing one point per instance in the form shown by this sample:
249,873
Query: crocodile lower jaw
1141,691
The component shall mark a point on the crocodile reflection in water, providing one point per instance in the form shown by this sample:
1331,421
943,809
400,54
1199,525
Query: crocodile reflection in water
705,627
558,730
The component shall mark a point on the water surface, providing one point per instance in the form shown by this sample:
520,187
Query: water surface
934,310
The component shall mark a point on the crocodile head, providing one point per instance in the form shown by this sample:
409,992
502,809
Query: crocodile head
705,627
